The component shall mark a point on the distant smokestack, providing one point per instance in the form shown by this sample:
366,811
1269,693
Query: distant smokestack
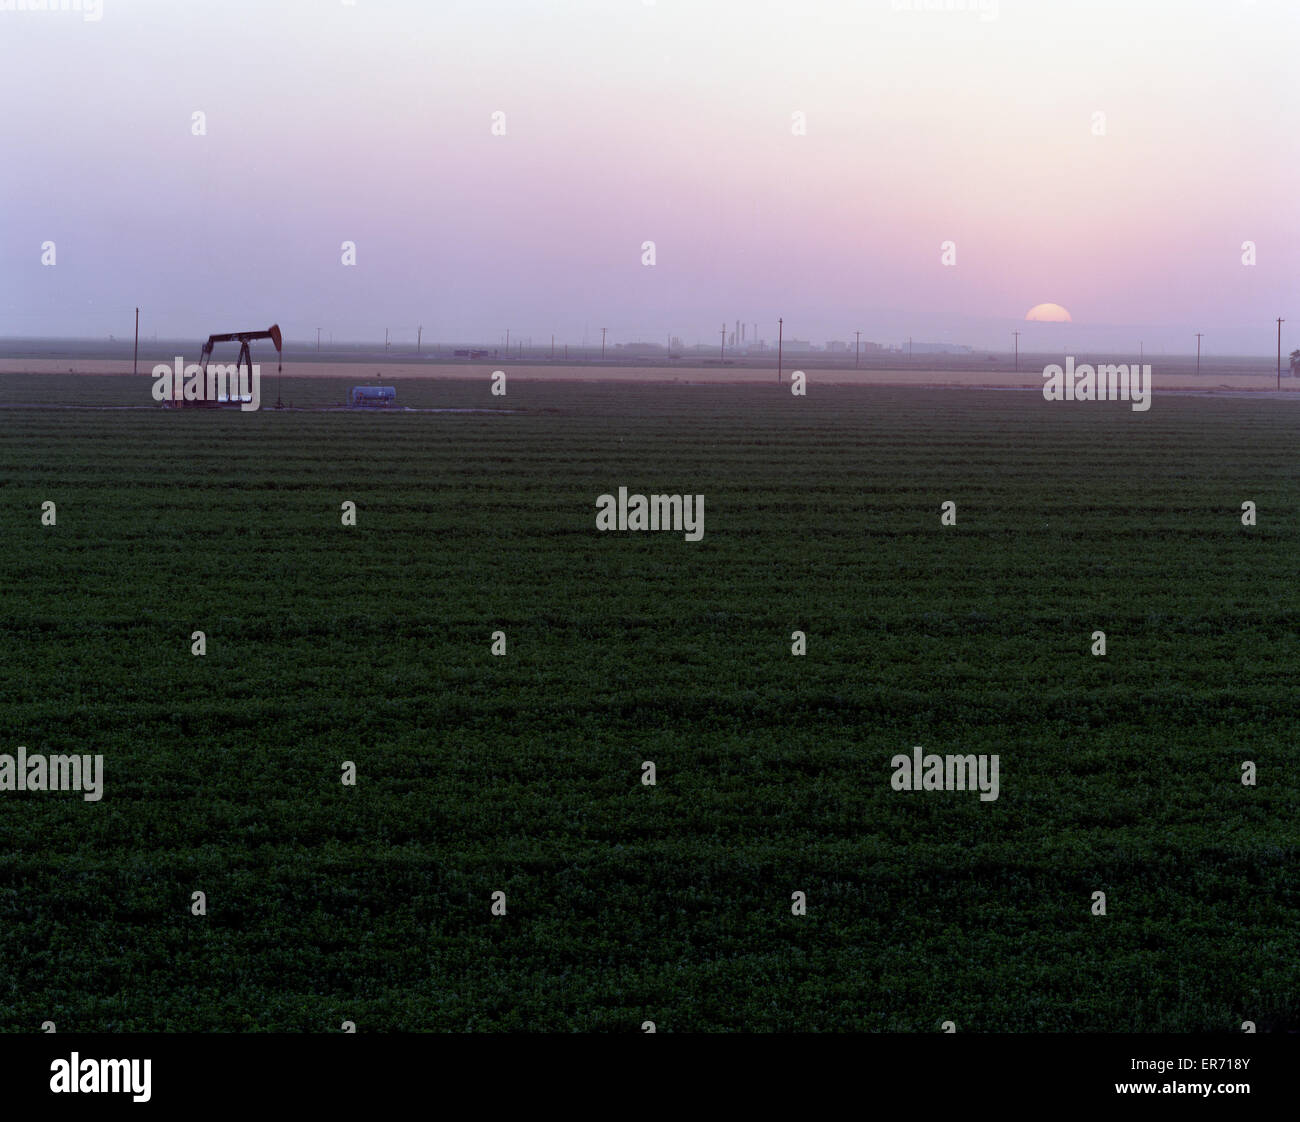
742,332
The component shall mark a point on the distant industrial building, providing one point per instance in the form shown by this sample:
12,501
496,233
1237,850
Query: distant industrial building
941,349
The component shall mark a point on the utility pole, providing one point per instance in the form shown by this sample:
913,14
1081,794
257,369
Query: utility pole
419,338
857,342
1280,322
602,343
1198,351
385,340
1017,335
135,362
780,337
723,349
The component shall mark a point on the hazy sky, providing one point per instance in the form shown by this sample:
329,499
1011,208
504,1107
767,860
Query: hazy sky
673,122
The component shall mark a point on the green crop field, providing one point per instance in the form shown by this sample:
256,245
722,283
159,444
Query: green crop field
522,773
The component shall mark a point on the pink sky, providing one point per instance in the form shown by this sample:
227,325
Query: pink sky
669,122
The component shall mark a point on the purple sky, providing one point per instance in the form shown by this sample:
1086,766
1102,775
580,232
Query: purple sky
672,122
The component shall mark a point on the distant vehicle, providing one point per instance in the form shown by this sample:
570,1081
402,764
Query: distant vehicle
372,397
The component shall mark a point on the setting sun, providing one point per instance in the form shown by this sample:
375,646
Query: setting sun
1047,313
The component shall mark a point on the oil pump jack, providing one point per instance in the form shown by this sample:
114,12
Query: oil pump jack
243,338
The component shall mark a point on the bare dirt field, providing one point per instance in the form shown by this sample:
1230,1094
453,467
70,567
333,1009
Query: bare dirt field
1209,382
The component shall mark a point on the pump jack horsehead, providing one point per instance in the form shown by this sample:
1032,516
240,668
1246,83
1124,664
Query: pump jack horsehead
226,384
